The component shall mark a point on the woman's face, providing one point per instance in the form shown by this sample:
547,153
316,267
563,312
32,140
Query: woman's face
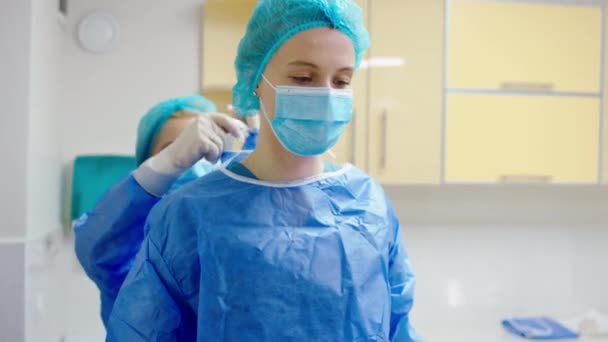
170,131
320,57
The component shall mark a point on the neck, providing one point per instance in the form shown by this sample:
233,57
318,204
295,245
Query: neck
270,161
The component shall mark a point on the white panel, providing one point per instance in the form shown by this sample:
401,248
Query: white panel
12,294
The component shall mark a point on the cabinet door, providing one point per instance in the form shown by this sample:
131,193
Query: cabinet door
605,121
221,98
224,23
352,145
605,143
406,73
530,46
492,138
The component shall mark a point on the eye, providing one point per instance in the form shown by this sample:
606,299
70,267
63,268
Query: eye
301,79
342,83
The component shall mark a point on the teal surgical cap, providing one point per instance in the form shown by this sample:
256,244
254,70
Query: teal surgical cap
151,124
276,21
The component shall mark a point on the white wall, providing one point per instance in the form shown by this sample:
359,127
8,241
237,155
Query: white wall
45,296
31,168
80,103
14,80
14,97
157,58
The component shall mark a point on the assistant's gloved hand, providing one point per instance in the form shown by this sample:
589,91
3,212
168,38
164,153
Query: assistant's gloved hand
203,139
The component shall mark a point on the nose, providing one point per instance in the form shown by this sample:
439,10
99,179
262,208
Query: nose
327,82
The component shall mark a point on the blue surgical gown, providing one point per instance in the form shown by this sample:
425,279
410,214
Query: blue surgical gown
108,237
230,258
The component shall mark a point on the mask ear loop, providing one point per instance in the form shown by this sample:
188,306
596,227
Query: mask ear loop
270,84
264,112
262,107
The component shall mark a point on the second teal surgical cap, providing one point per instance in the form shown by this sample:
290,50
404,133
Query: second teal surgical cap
276,21
151,124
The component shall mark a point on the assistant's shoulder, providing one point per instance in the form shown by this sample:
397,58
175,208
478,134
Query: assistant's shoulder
190,198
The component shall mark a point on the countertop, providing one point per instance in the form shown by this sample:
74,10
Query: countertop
479,332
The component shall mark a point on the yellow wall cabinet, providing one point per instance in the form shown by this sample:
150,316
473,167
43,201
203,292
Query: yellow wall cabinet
535,45
490,135
523,92
398,91
604,142
498,138
405,106
352,147
605,147
223,26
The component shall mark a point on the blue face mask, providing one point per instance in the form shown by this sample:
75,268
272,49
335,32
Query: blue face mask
308,121
201,168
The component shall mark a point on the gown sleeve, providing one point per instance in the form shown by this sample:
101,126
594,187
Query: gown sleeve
108,237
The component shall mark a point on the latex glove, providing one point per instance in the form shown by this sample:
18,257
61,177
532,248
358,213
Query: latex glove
205,138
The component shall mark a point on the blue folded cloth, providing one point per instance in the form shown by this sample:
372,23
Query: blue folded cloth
538,328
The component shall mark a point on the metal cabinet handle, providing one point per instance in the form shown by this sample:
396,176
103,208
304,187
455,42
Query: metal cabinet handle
527,86
525,179
384,158
353,138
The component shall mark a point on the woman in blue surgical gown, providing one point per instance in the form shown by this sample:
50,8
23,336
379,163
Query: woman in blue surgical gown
108,238
278,245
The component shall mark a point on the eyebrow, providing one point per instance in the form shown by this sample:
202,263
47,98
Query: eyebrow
312,65
302,63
